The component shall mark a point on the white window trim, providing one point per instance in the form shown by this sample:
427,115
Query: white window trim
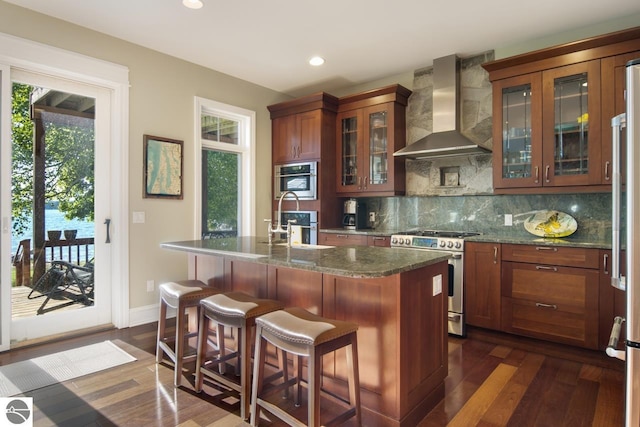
246,148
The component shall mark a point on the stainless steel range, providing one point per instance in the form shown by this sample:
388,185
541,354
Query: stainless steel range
443,241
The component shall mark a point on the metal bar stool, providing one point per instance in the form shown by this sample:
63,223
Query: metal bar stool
181,295
301,333
235,310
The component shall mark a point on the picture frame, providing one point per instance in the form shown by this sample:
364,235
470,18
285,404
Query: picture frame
163,168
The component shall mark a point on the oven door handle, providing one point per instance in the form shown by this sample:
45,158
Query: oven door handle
456,256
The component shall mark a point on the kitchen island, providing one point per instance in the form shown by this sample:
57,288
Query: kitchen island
394,295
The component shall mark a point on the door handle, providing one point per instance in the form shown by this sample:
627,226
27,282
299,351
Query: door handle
108,223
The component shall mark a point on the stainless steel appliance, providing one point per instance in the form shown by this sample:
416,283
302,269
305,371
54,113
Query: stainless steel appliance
355,215
299,178
349,215
628,283
443,241
308,220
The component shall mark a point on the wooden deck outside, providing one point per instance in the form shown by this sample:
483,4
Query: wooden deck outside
21,306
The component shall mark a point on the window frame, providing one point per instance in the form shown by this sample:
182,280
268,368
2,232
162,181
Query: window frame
245,148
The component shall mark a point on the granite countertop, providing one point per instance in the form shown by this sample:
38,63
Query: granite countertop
573,242
515,238
351,261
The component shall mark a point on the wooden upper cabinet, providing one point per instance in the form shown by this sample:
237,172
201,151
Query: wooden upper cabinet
371,126
613,103
300,126
552,111
297,137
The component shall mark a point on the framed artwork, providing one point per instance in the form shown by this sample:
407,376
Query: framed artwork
163,164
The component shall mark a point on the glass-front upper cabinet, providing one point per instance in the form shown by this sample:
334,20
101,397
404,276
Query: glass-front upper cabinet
378,148
349,149
519,118
548,123
571,124
371,127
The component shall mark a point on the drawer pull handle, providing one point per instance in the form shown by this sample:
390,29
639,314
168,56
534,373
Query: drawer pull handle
342,236
546,248
543,305
546,267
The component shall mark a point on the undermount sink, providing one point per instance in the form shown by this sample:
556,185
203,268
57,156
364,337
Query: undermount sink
306,246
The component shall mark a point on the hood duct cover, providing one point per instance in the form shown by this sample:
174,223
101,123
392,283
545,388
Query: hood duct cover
446,139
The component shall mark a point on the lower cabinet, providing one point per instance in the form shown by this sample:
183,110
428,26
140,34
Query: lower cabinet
482,267
558,294
348,239
545,298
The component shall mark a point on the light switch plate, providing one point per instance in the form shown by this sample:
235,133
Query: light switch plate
437,285
138,218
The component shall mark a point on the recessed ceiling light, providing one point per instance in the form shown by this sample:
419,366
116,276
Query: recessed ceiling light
316,61
192,4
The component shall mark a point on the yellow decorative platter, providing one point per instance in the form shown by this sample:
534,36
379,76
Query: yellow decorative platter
551,224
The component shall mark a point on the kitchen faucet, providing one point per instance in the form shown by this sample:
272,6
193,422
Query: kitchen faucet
279,228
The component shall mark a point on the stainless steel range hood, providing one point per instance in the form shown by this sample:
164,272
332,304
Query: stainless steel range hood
446,139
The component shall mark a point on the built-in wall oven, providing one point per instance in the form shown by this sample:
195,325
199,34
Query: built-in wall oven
299,178
308,222
444,241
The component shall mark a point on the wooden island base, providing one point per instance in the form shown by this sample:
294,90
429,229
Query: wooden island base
402,335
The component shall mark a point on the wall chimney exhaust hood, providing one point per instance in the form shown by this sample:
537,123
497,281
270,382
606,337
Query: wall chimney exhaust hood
446,139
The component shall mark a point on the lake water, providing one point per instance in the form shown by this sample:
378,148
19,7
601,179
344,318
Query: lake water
55,220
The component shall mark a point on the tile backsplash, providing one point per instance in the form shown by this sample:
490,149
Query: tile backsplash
485,213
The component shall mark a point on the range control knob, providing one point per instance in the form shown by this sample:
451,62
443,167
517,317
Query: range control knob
407,241
442,243
394,240
449,244
458,245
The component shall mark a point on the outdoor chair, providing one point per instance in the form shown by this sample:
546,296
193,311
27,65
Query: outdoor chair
66,281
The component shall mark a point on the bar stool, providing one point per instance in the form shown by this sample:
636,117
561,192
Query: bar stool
301,333
181,295
235,310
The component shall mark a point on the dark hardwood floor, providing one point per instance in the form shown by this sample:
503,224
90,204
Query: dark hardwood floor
489,384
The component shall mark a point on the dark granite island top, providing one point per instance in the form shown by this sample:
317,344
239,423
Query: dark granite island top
397,297
356,261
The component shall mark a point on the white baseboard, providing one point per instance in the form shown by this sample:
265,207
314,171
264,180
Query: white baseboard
147,314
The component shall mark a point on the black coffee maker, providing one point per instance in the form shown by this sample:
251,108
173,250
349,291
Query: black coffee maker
350,213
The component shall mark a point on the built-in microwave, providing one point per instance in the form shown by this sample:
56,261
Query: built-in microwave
300,178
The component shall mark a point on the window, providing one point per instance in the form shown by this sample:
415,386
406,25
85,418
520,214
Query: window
225,159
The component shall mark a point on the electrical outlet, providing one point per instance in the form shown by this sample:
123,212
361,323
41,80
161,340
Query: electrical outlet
372,217
151,285
138,217
437,285
508,220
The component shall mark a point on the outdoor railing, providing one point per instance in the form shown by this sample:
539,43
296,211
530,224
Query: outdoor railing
74,251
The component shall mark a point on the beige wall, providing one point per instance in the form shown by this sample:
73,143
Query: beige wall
161,103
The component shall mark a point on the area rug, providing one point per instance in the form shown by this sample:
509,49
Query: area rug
32,374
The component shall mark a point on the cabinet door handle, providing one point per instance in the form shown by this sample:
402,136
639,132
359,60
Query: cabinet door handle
366,179
605,263
546,267
543,305
546,248
546,173
495,254
293,151
359,183
537,175
606,171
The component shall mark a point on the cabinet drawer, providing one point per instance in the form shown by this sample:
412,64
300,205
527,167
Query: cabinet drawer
551,302
342,239
382,241
551,255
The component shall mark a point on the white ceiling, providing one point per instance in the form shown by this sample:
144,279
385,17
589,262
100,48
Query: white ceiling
270,42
